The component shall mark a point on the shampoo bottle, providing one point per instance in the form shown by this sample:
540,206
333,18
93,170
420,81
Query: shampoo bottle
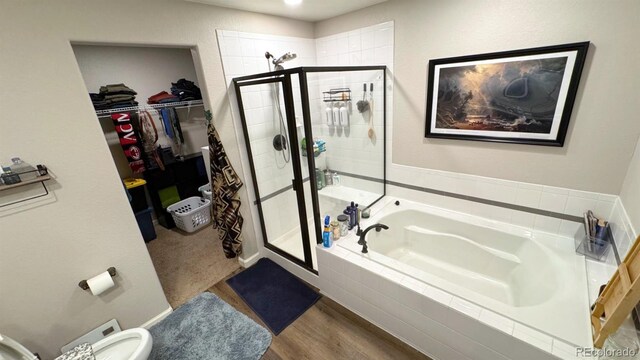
352,215
326,233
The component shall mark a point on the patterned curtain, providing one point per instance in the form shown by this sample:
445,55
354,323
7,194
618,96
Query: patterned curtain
225,184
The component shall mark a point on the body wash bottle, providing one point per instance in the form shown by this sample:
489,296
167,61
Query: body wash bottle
326,233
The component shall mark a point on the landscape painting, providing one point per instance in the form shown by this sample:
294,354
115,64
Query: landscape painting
521,96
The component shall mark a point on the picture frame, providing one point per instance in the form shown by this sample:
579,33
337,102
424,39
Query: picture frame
521,96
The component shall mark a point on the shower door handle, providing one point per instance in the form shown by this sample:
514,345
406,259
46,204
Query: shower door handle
293,185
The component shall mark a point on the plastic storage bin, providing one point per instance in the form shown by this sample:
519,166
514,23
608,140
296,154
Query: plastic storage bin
592,247
191,214
138,194
145,223
206,192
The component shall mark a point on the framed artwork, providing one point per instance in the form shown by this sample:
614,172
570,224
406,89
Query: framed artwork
520,96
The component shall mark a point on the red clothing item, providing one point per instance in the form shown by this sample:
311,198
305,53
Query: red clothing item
163,95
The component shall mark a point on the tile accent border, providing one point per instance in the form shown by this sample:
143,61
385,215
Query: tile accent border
489,202
278,192
531,210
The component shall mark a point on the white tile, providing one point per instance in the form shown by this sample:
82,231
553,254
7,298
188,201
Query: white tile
565,351
355,42
533,337
553,202
547,224
355,58
438,295
342,45
604,209
577,206
529,186
408,295
523,219
368,40
251,100
228,33
555,190
232,47
383,37
368,57
568,228
442,182
251,65
465,307
247,47
608,197
413,284
234,66
528,197
343,59
498,192
584,194
497,321
383,55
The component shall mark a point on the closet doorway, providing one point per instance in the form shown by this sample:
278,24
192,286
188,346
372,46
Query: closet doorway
150,97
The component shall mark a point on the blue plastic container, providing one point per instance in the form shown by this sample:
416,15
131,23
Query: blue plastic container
145,223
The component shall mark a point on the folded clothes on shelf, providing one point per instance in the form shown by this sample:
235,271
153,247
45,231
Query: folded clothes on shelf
123,104
117,89
113,96
186,90
162,97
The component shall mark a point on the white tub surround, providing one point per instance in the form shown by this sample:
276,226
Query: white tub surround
495,291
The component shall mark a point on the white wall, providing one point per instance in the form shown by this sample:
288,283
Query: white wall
437,29
630,194
86,225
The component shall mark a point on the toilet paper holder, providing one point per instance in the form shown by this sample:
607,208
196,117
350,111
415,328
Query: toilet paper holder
85,286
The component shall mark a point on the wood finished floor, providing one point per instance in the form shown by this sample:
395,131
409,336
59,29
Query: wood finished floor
326,331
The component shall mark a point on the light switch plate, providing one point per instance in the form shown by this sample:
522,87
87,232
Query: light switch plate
95,335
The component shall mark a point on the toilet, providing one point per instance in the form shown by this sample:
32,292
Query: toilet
132,344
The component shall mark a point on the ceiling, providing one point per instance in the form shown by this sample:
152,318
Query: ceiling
309,10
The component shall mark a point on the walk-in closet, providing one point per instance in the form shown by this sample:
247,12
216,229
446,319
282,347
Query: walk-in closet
149,104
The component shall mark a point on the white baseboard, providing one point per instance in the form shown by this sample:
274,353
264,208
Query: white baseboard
156,319
245,263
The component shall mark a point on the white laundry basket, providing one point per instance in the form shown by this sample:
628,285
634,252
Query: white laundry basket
206,192
191,214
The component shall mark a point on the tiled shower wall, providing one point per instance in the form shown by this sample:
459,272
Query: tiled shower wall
244,54
349,149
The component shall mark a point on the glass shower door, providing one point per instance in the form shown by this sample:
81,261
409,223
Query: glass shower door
271,134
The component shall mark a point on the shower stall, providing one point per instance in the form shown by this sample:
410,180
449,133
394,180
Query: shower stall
316,141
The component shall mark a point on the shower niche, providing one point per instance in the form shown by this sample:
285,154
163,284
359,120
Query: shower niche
311,154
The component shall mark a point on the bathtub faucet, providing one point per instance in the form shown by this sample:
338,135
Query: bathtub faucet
363,235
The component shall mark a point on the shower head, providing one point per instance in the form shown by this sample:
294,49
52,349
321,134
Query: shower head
278,62
286,57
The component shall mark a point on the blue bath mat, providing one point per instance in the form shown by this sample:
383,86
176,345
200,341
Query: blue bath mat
208,328
275,295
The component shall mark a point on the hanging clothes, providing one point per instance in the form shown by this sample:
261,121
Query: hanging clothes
172,129
149,137
225,184
129,141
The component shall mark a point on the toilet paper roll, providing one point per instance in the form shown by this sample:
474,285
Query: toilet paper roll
100,283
